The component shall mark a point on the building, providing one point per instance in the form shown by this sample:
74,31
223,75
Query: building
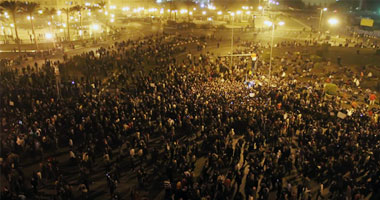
320,3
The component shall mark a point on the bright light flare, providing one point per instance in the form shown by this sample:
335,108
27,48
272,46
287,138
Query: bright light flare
333,21
260,7
324,9
281,23
126,9
238,12
268,23
204,12
95,27
220,13
59,12
48,36
211,7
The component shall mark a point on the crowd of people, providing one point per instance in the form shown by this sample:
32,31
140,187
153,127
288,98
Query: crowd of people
190,123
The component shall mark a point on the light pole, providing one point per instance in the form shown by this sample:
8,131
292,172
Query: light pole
269,23
320,18
333,22
262,9
232,38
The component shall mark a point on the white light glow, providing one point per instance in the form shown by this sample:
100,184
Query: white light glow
48,35
268,23
95,27
333,21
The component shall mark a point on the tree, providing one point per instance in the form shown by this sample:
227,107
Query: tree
30,8
102,4
2,20
79,8
172,6
189,6
50,12
13,7
68,11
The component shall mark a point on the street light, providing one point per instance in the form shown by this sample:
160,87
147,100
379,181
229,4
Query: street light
261,8
333,21
320,18
95,27
232,37
269,23
48,36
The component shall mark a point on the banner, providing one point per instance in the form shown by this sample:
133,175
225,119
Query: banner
366,22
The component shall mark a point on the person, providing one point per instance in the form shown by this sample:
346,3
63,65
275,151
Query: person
339,61
372,99
84,191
